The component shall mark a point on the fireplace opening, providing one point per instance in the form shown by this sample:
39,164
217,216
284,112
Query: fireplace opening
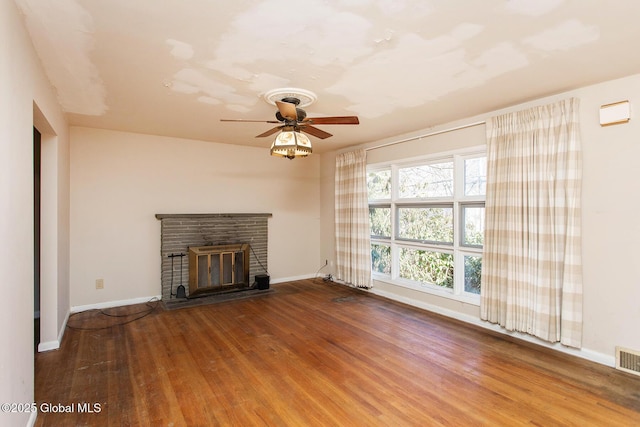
218,268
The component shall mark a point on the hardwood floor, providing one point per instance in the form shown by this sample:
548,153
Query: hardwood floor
316,354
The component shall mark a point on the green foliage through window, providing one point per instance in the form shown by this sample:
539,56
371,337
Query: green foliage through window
380,221
472,273
432,224
473,225
381,259
427,267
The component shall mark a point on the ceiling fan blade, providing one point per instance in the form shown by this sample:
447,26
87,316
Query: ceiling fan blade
269,132
338,120
287,110
318,133
249,121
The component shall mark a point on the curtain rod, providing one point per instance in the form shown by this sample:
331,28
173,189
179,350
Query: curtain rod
427,135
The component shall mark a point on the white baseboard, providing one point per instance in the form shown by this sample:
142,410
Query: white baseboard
32,419
110,304
293,278
54,345
48,346
587,354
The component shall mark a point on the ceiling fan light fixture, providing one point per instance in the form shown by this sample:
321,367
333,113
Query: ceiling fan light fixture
291,144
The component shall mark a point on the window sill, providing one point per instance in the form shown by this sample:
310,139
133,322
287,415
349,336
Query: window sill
429,289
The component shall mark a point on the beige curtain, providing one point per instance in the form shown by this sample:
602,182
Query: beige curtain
353,246
532,266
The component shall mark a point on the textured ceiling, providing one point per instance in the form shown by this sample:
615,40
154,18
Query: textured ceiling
176,67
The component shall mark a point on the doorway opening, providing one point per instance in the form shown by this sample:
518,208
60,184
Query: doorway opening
37,161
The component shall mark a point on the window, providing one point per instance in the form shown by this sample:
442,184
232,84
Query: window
427,266
379,184
380,220
475,176
472,224
434,180
381,258
427,224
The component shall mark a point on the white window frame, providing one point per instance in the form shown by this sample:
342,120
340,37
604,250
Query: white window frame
458,200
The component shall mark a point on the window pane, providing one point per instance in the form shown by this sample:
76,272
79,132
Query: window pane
475,176
427,267
473,225
379,184
472,273
381,259
432,224
434,180
380,221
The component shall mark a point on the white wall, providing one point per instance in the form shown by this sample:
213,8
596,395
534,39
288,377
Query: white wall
119,181
327,203
611,230
28,99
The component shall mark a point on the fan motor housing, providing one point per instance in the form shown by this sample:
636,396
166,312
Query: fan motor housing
300,113
291,100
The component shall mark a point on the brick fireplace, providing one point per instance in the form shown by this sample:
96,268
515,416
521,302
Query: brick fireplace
179,232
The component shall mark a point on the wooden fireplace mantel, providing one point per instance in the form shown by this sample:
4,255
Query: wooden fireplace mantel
209,215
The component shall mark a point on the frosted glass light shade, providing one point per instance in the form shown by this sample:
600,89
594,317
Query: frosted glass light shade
291,144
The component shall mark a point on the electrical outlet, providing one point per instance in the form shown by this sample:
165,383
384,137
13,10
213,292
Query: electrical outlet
99,283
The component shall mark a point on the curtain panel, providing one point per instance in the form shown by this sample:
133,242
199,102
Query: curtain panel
353,245
532,266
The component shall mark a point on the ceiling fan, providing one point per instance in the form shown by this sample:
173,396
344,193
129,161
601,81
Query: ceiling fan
292,118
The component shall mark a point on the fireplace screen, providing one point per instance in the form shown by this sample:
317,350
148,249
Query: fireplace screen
217,268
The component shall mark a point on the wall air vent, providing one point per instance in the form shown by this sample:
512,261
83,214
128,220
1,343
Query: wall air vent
628,360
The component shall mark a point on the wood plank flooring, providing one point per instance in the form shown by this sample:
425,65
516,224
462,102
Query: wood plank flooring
316,354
